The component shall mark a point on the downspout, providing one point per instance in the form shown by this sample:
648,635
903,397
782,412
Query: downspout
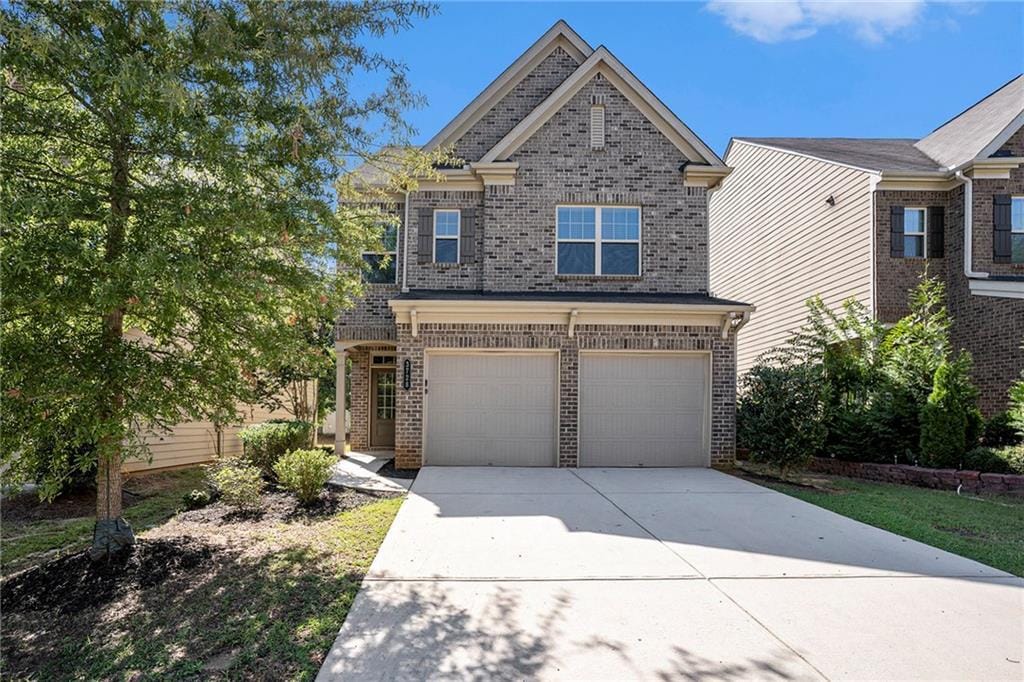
969,228
405,245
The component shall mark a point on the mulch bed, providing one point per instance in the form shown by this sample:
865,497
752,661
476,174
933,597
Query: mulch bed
280,506
390,471
73,582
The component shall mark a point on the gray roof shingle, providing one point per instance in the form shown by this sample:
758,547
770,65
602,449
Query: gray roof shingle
869,154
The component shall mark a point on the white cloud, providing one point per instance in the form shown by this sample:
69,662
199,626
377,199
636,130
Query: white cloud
775,21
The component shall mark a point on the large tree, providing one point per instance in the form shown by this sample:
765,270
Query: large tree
170,210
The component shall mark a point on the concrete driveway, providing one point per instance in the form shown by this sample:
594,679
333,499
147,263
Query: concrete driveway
499,573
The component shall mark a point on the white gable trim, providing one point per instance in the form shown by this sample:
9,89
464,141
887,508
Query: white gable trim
602,61
560,35
1000,139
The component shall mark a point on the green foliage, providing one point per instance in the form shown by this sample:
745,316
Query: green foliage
779,416
999,431
239,484
196,499
179,179
268,442
305,473
1008,459
946,417
1016,410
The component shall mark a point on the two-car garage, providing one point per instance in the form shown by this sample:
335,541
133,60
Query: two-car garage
502,408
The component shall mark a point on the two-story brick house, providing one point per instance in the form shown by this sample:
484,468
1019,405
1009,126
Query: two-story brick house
863,219
548,302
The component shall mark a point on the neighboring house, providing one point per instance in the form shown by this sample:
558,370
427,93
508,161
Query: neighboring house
864,218
547,304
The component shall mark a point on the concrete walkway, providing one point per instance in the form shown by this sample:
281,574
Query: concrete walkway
492,573
359,471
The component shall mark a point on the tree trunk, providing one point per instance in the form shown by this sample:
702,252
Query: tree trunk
112,533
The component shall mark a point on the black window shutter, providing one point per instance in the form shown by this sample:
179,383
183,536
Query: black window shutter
896,229
936,232
467,236
1001,237
425,239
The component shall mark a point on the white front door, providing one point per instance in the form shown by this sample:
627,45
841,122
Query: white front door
491,408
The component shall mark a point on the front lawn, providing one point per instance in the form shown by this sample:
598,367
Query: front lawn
208,593
987,529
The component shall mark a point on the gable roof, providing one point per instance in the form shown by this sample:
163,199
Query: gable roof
979,131
560,35
604,62
865,154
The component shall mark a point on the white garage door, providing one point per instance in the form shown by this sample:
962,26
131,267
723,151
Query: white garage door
491,409
643,409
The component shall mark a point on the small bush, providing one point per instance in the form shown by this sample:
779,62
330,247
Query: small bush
268,442
779,416
305,472
999,431
240,484
1005,460
947,417
196,499
1016,410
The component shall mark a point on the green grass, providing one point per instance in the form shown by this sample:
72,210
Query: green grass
989,530
266,605
23,544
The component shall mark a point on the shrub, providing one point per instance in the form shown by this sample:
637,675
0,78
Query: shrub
267,442
779,417
239,484
999,431
196,499
1004,460
305,472
947,416
1016,411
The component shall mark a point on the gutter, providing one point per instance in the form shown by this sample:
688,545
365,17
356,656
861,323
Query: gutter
969,228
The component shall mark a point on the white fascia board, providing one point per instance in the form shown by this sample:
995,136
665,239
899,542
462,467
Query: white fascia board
999,140
604,62
997,288
559,35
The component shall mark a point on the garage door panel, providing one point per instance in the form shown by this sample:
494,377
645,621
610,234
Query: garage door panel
491,408
643,410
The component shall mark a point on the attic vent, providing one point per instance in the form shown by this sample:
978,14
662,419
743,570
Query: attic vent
597,127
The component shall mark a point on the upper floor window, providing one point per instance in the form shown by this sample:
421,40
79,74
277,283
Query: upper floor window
914,225
598,240
446,235
1017,230
381,266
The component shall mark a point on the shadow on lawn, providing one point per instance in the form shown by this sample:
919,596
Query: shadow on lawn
271,617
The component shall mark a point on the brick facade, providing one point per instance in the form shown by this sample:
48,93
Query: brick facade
896,277
516,251
409,425
990,328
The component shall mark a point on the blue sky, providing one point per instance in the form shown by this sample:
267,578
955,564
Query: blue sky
791,68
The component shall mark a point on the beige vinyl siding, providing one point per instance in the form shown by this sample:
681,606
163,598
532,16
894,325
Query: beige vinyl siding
775,241
191,443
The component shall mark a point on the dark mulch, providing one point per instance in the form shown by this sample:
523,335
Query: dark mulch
282,506
73,582
390,471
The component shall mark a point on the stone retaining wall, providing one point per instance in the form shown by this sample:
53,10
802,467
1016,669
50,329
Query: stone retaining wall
942,479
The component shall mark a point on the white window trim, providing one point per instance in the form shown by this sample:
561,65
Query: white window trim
598,240
457,237
923,234
1013,198
393,254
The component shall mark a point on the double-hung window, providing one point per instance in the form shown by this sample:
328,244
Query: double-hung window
1017,230
598,240
381,265
446,236
914,226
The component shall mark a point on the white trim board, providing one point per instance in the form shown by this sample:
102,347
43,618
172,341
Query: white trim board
559,35
604,62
